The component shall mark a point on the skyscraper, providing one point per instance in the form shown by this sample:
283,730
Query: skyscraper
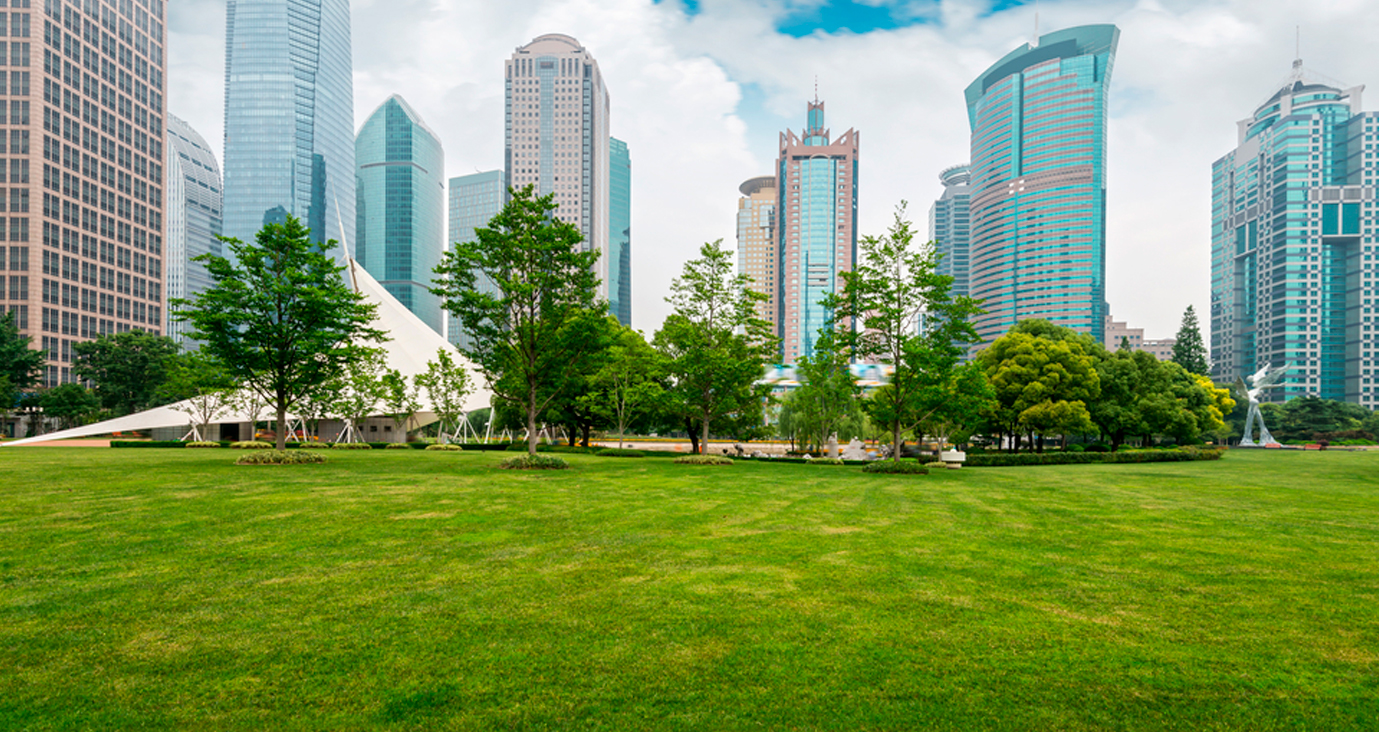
401,206
193,216
474,201
620,232
816,232
1038,182
289,118
950,227
83,252
756,241
557,135
1294,219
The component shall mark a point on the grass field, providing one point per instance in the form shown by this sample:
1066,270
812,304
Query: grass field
169,589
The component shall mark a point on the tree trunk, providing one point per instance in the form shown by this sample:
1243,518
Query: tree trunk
895,442
585,442
282,422
1038,443
704,441
531,420
694,438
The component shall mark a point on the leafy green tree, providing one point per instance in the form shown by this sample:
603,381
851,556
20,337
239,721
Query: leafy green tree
282,317
69,404
629,382
1043,376
1189,351
715,345
126,370
199,386
446,383
20,366
1313,418
578,404
827,397
358,390
1126,378
540,283
400,397
956,403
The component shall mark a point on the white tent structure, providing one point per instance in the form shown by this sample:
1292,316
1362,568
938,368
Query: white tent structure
411,346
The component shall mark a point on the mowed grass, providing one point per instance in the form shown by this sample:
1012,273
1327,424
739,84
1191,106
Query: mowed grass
170,589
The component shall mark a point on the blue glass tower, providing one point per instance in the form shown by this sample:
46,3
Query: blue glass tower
620,231
289,117
1038,182
950,227
193,217
400,206
474,201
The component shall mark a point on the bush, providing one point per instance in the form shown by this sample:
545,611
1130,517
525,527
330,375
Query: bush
147,443
1074,458
575,449
534,462
1075,448
309,445
619,452
891,467
444,448
351,446
252,445
1097,447
203,444
522,447
397,446
703,460
825,461
489,446
280,457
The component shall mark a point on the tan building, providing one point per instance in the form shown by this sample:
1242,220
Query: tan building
756,240
82,194
1162,348
1116,331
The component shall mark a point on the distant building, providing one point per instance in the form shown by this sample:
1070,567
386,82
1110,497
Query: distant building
474,201
1118,332
816,229
400,207
1294,218
193,217
1038,182
1161,349
620,231
757,255
950,227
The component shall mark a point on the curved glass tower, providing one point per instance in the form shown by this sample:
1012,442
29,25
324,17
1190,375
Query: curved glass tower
620,231
193,216
1038,182
401,206
950,227
289,117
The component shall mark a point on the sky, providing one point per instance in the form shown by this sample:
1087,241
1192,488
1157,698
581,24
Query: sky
701,89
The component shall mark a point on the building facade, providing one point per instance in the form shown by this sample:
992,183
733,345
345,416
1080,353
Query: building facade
474,201
950,227
1294,222
289,118
816,227
1038,182
400,206
193,205
81,212
620,231
556,132
756,242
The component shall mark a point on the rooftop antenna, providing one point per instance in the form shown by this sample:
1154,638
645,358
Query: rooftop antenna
816,88
1035,43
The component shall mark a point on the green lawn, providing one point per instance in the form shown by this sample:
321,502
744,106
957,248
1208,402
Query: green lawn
169,589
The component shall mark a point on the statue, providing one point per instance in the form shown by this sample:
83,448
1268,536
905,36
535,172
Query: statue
1261,380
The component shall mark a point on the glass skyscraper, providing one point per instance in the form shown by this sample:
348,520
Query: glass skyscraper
1294,221
816,230
620,231
1038,182
474,201
193,216
289,118
401,206
950,227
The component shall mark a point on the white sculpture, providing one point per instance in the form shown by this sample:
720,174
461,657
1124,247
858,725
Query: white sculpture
1261,380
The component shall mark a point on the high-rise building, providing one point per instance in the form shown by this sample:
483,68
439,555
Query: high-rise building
816,230
474,201
82,228
756,241
950,227
400,206
556,132
193,217
1038,182
1294,221
289,118
620,232
1120,331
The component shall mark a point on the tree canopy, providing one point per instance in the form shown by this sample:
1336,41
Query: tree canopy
127,370
1043,376
1189,351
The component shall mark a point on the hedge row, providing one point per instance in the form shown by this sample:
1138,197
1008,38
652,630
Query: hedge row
296,445
1002,460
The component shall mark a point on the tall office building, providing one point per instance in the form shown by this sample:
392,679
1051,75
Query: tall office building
400,206
474,201
756,241
1038,182
950,227
556,132
1294,222
289,118
620,232
193,217
816,230
83,87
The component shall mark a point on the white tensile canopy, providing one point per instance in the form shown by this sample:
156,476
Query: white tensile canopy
411,347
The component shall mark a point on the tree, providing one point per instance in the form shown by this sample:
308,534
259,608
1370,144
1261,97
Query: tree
628,383
446,384
70,404
577,404
281,318
20,366
400,398
714,343
126,370
826,398
359,390
540,283
200,387
1126,378
1189,351
1033,368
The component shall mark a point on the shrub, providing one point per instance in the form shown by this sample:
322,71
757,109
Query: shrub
309,445
534,462
280,457
619,452
891,467
522,447
147,443
203,444
1074,458
825,461
1097,447
703,460
351,446
252,445
444,448
489,446
1075,448
397,446
575,449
